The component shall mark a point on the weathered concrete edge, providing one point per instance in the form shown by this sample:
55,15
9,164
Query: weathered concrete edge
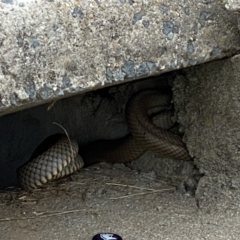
50,50
232,5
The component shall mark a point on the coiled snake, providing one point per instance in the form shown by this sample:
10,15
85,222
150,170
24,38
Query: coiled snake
63,159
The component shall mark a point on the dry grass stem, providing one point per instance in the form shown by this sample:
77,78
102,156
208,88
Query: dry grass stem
142,193
131,186
65,131
51,105
41,215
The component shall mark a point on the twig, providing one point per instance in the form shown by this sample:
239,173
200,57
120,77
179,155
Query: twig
41,215
142,193
70,143
52,213
51,104
131,186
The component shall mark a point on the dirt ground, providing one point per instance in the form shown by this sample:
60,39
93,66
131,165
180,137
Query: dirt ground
110,198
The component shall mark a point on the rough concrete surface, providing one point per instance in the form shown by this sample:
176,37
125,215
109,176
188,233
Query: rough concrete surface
207,106
110,198
232,5
52,49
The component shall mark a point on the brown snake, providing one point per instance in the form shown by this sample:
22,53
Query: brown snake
62,158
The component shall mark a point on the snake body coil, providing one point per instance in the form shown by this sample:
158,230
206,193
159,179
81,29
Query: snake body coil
56,162
62,158
144,134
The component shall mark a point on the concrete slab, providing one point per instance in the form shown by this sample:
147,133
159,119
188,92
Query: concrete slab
52,49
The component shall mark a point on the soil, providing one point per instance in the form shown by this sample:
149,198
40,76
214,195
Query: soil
110,198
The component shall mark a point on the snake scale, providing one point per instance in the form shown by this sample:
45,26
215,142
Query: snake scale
147,132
